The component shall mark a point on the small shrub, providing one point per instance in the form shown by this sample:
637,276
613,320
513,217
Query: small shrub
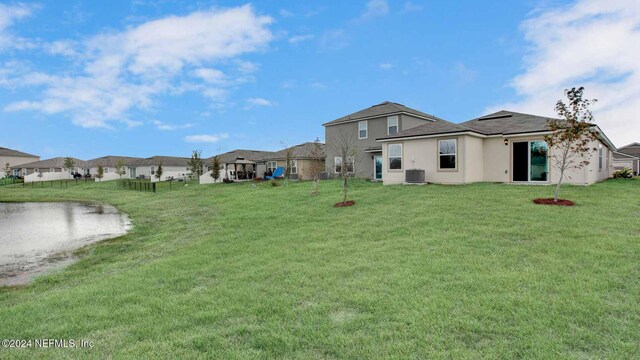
625,173
273,182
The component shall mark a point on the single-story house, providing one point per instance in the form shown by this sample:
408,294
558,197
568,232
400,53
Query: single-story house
237,164
109,164
622,160
12,158
505,146
632,150
49,169
305,159
172,167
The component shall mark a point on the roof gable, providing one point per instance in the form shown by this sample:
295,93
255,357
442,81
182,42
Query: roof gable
15,153
300,151
383,109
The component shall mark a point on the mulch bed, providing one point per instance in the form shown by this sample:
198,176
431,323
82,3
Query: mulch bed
345,203
560,202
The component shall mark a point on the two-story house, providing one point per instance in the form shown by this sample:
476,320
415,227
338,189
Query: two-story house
362,128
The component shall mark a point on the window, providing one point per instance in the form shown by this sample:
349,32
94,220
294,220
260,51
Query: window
395,156
337,164
271,166
153,170
294,166
447,154
106,170
392,125
362,129
600,157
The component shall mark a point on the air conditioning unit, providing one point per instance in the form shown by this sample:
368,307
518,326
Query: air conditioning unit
414,176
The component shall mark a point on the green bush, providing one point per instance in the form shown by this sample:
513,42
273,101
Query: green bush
273,182
625,173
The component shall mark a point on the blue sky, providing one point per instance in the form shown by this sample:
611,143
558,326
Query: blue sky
138,78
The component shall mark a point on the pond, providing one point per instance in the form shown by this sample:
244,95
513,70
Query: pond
36,238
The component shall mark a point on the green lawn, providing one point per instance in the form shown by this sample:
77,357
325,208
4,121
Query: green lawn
243,271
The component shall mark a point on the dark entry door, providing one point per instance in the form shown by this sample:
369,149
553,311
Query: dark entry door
520,161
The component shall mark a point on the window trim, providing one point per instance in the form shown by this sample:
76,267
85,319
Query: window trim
366,129
275,166
335,164
455,154
397,125
529,181
401,157
600,157
294,165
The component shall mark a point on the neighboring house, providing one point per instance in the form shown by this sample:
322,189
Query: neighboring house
172,167
49,169
632,150
304,157
238,164
109,164
622,160
505,146
363,128
14,158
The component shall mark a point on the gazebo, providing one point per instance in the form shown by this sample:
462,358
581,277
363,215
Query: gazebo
243,169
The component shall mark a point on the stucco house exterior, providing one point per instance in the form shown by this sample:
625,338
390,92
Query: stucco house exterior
48,169
628,156
363,128
304,158
109,164
237,163
505,147
172,167
14,158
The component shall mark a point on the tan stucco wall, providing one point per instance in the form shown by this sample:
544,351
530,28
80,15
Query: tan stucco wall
14,161
496,160
304,167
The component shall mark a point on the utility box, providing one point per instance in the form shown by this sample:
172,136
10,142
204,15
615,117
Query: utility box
414,176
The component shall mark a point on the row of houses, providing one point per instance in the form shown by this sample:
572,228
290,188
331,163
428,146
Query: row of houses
394,144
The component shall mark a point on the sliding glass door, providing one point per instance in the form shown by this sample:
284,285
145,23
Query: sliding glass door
530,161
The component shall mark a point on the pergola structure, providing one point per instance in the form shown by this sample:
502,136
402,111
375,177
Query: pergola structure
247,169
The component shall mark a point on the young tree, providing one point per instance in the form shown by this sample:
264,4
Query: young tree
316,166
100,173
215,168
120,170
346,148
288,155
571,135
7,170
159,171
196,164
69,164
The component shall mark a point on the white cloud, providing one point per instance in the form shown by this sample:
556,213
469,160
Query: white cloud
376,8
206,138
125,71
385,66
286,13
411,7
299,38
9,14
334,40
463,74
62,47
259,102
211,76
589,43
170,127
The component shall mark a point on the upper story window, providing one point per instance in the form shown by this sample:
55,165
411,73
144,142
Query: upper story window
362,129
447,153
395,156
392,125
600,157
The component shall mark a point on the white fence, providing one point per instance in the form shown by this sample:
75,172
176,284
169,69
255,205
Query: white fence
47,176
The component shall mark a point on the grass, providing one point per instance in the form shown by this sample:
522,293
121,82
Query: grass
240,271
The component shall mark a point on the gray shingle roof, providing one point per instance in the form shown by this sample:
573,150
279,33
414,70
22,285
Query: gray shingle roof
14,153
111,161
57,162
164,160
631,149
621,155
382,109
431,128
252,155
301,151
508,122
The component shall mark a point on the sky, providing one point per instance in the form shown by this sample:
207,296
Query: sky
143,78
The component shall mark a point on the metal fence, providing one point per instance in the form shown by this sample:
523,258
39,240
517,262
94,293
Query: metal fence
127,184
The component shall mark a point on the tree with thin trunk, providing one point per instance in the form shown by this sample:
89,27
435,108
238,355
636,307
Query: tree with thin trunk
159,172
196,164
215,168
100,173
120,170
571,135
346,148
69,164
316,166
288,154
7,170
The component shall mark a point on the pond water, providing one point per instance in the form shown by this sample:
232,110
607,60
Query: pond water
38,237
